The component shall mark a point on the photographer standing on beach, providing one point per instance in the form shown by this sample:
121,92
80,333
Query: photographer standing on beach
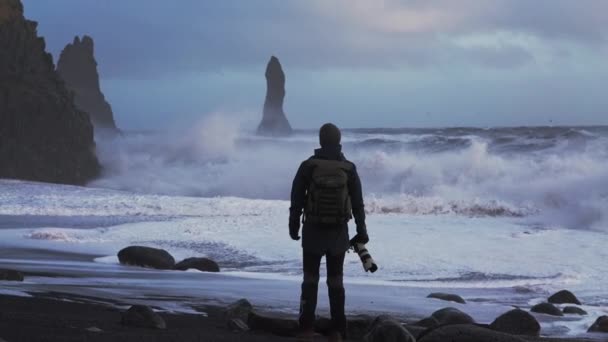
327,190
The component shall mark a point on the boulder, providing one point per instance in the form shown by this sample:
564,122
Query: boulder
516,322
146,257
142,316
447,316
238,310
357,326
201,264
274,325
274,122
573,310
564,297
387,329
11,275
600,325
428,322
447,297
467,333
548,309
78,68
43,135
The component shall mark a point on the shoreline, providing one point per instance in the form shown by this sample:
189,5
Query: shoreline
36,319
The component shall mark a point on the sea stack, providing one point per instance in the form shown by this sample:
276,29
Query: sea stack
274,122
43,136
78,68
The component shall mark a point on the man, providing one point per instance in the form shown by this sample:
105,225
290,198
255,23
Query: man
326,189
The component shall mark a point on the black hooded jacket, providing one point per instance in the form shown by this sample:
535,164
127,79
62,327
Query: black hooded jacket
314,238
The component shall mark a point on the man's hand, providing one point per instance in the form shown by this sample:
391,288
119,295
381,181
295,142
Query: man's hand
294,229
361,238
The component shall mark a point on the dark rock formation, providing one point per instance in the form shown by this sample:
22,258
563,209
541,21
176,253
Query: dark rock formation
428,322
274,122
516,322
600,325
142,316
201,264
78,68
564,297
274,325
573,310
467,333
387,329
11,275
237,315
146,257
43,136
357,326
547,308
447,297
447,316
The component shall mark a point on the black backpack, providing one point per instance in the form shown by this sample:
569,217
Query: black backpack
327,200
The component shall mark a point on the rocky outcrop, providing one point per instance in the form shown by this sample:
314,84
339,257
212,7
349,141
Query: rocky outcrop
600,325
201,264
516,322
547,309
146,257
78,68
448,316
447,297
564,297
11,275
387,329
274,122
142,316
43,135
573,310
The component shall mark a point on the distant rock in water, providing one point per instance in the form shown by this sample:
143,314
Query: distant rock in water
43,136
78,68
274,122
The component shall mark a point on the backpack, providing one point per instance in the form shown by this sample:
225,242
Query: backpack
327,200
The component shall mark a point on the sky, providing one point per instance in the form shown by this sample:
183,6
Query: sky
358,63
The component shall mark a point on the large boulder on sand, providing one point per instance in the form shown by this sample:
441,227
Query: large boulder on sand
201,264
564,297
43,135
387,329
142,316
146,257
467,333
516,322
447,297
274,122
78,68
547,309
600,325
11,275
447,316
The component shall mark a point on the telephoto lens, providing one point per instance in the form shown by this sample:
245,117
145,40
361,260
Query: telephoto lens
369,265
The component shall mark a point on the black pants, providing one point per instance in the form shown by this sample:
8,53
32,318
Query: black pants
335,287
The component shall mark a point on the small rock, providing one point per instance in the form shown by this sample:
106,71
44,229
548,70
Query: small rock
146,257
516,322
201,264
467,333
11,275
564,297
600,325
447,297
547,308
238,310
447,316
236,324
573,310
387,329
143,317
273,325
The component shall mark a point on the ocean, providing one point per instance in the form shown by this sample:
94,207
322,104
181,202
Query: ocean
502,216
